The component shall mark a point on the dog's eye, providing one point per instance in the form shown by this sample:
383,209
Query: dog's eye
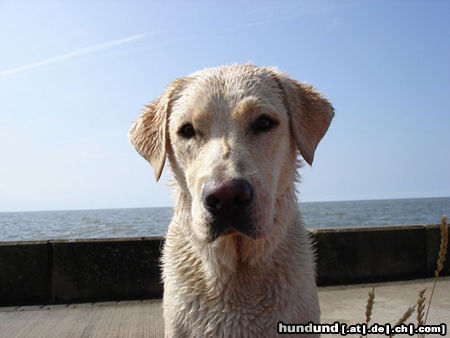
187,131
263,123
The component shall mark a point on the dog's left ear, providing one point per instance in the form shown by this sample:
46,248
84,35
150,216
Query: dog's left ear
149,133
310,114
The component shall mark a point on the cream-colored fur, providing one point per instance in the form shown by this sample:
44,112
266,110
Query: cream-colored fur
235,285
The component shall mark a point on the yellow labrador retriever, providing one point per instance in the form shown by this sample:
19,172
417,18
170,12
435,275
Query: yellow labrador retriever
237,259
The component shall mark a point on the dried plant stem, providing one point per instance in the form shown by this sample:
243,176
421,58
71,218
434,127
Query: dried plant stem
443,247
420,307
369,305
404,318
441,259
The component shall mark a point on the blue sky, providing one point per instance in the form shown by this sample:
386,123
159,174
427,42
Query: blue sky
75,74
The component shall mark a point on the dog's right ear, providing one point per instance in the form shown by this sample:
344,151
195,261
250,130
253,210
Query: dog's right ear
149,133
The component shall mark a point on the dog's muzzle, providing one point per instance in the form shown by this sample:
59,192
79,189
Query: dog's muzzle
229,204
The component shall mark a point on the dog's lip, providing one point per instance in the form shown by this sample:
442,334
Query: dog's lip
229,231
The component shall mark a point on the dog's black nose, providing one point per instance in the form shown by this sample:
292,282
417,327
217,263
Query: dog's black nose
233,196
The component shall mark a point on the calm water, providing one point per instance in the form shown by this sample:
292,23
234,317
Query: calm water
40,225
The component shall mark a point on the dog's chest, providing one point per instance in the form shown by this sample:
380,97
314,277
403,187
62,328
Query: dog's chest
249,301
241,312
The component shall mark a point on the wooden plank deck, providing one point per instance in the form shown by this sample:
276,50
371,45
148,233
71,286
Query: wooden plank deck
144,318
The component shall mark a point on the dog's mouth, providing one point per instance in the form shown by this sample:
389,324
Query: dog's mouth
229,231
220,228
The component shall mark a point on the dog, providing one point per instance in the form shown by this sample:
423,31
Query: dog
237,259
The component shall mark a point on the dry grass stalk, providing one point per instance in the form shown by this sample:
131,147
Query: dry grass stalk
443,247
420,302
421,307
369,305
441,259
405,317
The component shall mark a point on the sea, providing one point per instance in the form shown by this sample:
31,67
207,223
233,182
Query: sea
143,222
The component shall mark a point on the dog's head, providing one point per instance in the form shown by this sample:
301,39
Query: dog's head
232,134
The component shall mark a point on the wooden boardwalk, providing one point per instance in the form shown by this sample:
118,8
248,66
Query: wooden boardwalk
144,318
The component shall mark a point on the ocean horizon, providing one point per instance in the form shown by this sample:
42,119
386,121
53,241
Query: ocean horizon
153,221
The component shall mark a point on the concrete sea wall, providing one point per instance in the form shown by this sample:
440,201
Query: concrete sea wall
67,271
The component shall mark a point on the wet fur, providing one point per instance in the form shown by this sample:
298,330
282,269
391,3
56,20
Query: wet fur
235,285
